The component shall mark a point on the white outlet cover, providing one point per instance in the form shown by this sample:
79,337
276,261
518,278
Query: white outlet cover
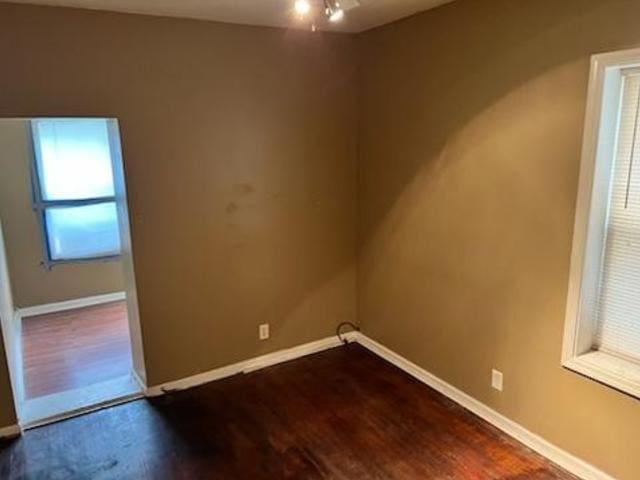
497,379
263,331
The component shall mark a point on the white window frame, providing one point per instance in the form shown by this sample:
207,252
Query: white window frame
598,156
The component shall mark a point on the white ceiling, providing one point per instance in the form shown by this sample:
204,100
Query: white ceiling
276,13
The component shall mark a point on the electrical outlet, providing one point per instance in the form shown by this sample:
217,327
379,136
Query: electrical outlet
263,331
496,379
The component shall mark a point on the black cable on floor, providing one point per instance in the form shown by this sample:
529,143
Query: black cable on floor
339,331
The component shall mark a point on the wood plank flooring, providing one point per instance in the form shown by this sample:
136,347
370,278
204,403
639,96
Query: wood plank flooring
75,348
340,414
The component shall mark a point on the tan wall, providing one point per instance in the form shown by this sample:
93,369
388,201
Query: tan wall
471,125
239,147
239,153
31,283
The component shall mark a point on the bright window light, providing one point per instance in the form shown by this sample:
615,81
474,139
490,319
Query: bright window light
74,160
83,232
74,189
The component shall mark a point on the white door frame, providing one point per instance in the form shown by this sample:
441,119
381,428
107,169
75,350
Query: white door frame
11,329
11,321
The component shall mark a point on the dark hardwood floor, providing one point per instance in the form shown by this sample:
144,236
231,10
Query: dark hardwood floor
339,414
75,348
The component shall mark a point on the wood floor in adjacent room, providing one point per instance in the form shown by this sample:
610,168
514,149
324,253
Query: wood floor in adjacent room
339,414
75,348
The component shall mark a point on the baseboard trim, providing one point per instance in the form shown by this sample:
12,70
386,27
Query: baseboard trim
70,304
247,366
10,432
545,448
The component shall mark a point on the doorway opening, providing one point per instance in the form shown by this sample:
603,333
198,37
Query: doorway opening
69,306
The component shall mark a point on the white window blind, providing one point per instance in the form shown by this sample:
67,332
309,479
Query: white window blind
618,298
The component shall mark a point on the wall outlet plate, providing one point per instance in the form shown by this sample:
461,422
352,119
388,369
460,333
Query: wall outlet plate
263,331
497,379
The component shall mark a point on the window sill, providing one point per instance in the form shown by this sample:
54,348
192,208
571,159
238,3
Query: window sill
49,264
608,369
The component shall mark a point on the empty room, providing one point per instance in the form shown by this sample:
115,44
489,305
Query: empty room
320,239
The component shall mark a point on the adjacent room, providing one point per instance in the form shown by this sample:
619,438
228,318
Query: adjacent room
68,336
320,239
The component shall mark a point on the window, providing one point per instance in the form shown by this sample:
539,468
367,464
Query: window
73,189
602,336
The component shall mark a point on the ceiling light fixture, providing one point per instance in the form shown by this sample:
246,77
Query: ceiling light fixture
302,7
336,16
333,10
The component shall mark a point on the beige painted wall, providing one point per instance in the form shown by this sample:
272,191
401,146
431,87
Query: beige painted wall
31,283
239,145
471,121
239,154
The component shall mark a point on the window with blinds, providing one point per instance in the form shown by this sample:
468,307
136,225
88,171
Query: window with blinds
618,298
602,322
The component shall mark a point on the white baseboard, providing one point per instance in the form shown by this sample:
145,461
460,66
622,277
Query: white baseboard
70,304
247,366
10,431
282,356
554,453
